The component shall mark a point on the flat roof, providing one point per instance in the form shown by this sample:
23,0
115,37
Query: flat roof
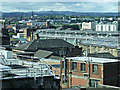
80,31
93,59
3,67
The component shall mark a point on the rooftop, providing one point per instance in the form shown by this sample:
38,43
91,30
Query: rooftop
44,43
93,59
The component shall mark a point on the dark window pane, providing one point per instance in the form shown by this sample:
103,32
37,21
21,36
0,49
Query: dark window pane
94,83
74,65
95,68
83,68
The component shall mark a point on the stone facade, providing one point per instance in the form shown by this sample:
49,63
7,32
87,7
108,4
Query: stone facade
97,49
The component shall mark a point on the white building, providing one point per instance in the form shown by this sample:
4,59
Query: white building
89,25
6,57
107,27
19,35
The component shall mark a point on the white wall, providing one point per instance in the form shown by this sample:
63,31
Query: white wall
106,27
20,35
87,25
7,54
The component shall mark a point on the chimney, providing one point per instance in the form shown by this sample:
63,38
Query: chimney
3,24
31,36
32,15
47,23
36,36
8,22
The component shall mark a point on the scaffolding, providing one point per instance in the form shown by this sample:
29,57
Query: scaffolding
37,70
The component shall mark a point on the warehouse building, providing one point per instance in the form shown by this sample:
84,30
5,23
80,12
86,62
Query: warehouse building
90,72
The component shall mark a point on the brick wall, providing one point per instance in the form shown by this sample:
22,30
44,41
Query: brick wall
97,75
82,81
79,81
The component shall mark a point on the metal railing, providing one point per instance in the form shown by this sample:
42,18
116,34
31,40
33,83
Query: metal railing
4,61
41,63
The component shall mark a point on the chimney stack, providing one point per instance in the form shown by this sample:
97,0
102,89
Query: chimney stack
31,36
32,15
47,23
4,24
8,22
36,36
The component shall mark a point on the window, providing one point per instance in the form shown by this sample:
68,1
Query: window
109,28
74,65
105,28
114,28
94,83
97,28
83,67
101,28
95,68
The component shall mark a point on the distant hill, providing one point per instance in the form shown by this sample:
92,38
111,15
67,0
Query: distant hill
45,13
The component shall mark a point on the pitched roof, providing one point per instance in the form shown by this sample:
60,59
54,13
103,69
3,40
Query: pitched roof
44,43
42,53
101,55
23,46
55,57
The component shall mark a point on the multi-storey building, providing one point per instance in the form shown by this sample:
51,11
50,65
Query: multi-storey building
90,72
88,26
107,26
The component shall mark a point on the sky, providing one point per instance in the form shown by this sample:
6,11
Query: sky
77,6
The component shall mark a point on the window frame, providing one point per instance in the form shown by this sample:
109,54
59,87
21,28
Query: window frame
101,27
73,66
95,68
83,67
94,83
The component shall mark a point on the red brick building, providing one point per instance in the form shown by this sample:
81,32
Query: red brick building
90,72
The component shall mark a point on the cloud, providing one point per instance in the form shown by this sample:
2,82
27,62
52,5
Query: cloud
60,0
78,4
60,6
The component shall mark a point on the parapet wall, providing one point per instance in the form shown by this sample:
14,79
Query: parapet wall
49,82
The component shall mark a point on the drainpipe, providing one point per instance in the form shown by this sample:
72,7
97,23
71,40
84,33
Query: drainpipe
88,67
88,72
64,78
70,85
